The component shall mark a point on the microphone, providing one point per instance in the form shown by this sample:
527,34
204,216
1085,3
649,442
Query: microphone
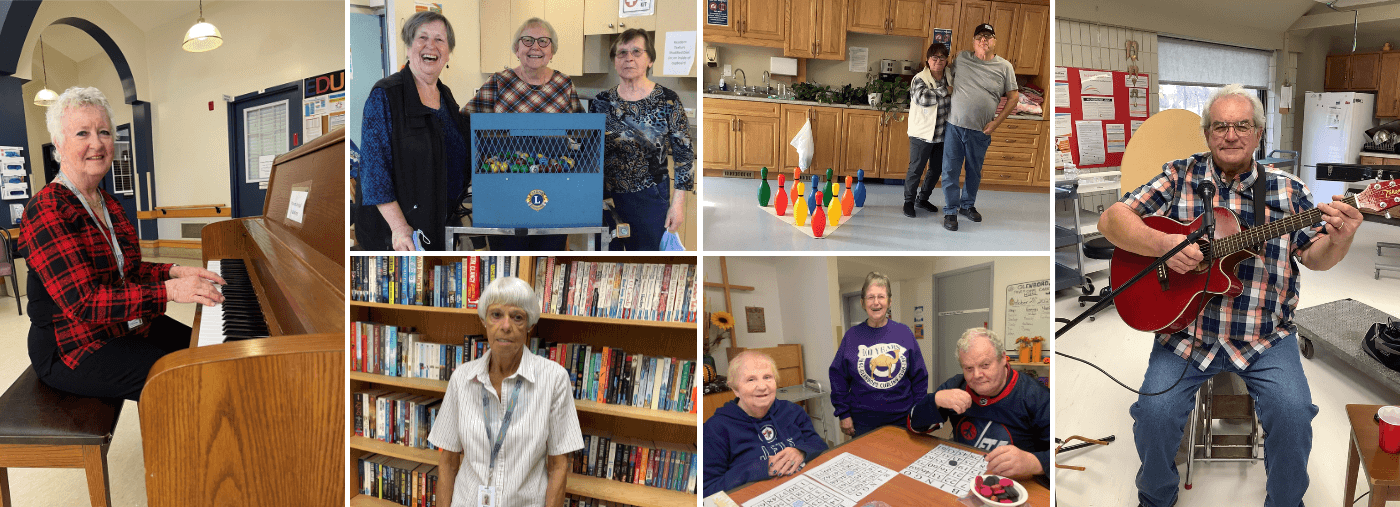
1206,191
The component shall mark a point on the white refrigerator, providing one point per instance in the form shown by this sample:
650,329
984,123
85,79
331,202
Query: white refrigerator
1334,128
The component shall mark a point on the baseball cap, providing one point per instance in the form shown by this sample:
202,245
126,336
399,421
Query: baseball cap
984,28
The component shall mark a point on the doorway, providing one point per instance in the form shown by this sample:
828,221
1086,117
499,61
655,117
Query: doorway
962,299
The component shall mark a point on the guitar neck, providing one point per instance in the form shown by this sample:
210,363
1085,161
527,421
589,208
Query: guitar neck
1229,245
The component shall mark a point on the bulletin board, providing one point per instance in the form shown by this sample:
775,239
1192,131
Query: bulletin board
1096,113
1027,310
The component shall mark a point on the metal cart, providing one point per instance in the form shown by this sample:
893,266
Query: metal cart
1069,259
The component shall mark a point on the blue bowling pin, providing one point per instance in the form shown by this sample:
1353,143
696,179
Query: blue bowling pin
860,188
812,196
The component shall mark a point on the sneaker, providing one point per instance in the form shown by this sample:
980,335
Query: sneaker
950,222
909,209
972,214
926,206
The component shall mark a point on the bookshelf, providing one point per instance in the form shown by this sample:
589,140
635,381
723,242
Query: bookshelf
449,325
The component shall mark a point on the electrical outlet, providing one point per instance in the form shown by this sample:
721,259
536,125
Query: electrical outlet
728,70
1100,209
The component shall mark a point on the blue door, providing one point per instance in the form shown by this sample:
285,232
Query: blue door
261,124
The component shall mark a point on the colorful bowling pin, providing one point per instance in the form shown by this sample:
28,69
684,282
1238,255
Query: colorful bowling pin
813,202
829,191
848,201
796,185
799,213
781,203
860,188
818,219
833,209
763,191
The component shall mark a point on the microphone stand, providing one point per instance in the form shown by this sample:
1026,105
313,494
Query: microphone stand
1107,300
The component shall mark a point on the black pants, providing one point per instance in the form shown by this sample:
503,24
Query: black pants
645,211
921,153
548,242
117,370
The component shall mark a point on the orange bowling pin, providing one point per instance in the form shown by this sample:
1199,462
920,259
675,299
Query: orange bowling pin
796,185
848,201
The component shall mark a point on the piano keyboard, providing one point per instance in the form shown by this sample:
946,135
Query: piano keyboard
239,317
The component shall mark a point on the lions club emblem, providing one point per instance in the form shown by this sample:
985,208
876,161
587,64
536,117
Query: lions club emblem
537,200
882,365
767,433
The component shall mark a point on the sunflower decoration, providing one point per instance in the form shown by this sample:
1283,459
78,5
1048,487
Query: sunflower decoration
721,327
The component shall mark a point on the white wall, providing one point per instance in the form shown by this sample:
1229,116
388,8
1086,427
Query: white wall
761,273
814,325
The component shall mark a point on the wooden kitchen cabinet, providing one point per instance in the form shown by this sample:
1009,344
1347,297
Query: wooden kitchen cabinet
1353,72
1032,23
826,135
861,136
752,23
741,135
816,29
896,158
500,19
1388,90
1375,161
600,18
946,14
1022,29
1017,154
889,17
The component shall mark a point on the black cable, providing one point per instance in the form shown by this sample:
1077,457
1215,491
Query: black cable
1358,499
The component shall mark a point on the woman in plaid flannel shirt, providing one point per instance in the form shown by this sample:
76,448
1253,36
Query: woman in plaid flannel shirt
97,311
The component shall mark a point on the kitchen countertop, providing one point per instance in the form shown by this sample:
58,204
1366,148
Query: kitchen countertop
841,106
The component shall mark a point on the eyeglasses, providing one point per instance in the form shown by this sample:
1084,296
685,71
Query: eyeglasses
1220,128
877,297
634,53
985,36
529,41
938,58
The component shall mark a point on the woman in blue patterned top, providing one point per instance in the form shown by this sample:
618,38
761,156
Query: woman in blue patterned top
413,165
646,124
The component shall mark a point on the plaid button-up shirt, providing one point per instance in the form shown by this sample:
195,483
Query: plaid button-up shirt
1250,324
506,92
74,259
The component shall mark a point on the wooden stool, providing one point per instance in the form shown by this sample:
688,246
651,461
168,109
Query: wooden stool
1382,472
42,427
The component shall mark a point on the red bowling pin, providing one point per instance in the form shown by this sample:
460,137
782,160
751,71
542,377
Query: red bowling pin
818,218
780,204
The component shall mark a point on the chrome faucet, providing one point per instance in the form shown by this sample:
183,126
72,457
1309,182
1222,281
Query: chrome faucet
767,87
738,72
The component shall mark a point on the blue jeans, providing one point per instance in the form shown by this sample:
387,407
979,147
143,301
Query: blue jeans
962,147
1281,399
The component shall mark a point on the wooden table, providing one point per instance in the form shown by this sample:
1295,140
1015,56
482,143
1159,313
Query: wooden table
895,448
1382,470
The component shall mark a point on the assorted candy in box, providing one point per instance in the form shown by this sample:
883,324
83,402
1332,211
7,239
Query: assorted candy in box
521,162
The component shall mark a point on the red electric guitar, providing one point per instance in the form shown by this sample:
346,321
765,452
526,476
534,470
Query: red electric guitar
1170,301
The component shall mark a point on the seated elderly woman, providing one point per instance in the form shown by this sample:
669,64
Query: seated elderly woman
756,436
96,311
507,424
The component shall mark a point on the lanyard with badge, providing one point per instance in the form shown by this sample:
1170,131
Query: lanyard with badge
109,234
486,495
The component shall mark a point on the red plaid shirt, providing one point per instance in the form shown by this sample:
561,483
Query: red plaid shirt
75,261
506,92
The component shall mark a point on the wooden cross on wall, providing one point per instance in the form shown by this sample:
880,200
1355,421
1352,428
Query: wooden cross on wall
726,287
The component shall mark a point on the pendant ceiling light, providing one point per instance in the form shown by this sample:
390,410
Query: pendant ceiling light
46,96
202,36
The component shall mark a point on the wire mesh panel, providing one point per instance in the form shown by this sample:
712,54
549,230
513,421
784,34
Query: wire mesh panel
537,170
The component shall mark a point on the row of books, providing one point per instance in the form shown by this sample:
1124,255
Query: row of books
395,417
655,464
611,375
583,501
398,480
407,280
397,351
655,292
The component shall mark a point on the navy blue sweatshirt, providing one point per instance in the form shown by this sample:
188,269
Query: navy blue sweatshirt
737,445
1018,415
877,371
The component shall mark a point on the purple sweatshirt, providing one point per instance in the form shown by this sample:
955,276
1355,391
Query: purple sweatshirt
877,372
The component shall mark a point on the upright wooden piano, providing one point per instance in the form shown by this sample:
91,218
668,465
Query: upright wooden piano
261,421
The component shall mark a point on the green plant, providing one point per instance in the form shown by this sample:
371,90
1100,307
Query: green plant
853,96
893,94
810,92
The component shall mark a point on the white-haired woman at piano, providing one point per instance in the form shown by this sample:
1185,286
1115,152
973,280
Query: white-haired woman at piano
507,424
97,312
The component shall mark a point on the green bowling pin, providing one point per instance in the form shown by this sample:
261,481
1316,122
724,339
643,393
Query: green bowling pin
763,191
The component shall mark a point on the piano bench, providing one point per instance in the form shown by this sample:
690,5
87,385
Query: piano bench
42,427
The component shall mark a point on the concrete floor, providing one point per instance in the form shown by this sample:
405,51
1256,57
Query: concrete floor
1012,221
1089,404
48,487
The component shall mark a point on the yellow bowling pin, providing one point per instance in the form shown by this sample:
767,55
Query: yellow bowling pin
833,207
799,213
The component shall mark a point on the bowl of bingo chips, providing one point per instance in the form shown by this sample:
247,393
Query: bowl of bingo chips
999,491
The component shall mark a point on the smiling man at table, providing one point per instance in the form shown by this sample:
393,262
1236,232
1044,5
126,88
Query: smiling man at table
991,407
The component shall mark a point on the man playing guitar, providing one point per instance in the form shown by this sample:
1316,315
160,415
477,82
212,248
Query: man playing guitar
1254,331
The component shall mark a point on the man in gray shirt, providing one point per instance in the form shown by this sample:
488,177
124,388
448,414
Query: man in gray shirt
982,79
